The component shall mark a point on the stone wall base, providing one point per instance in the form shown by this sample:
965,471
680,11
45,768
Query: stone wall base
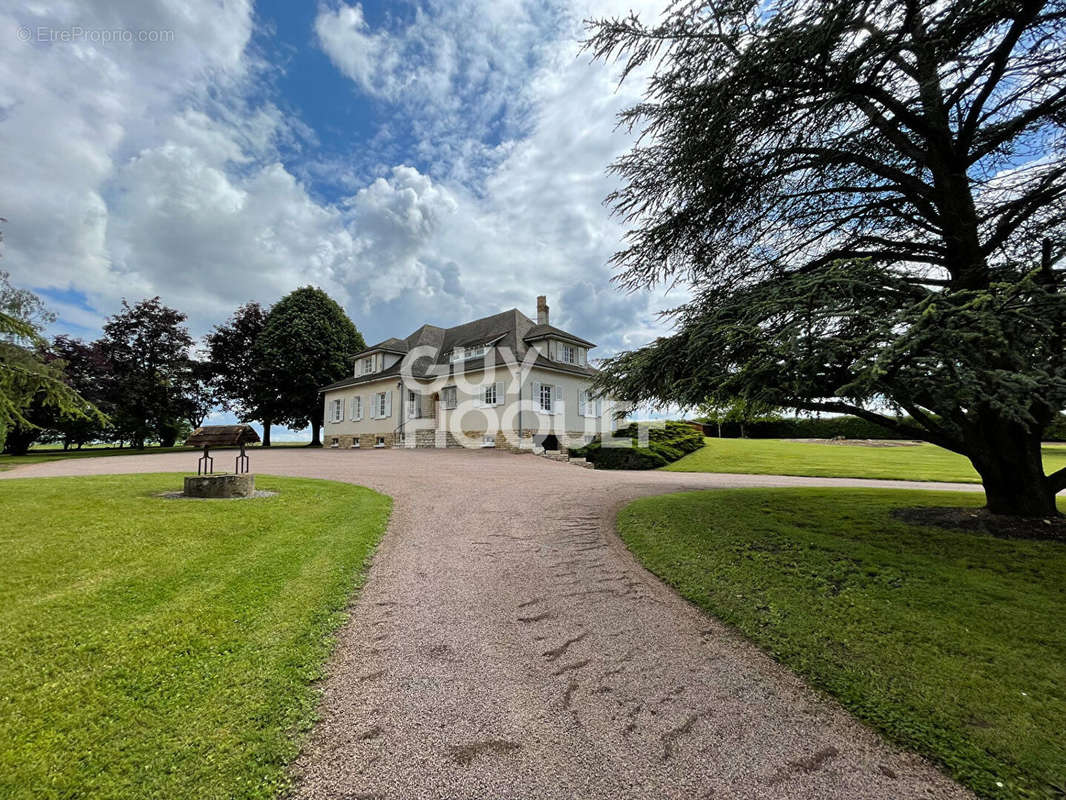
220,486
509,441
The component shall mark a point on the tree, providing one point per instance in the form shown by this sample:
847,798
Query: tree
87,371
199,398
308,342
32,388
738,410
244,385
868,202
148,349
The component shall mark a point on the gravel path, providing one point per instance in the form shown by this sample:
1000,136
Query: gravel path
507,645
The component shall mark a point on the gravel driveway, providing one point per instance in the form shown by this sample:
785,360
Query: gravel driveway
507,645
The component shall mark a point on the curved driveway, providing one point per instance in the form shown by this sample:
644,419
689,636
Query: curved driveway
507,645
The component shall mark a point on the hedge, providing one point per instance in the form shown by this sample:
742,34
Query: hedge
832,427
665,445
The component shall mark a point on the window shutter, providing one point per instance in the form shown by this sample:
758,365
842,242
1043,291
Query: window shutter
499,393
599,406
560,402
340,410
388,404
582,402
536,396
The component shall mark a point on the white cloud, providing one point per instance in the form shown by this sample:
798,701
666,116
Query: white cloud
72,110
153,173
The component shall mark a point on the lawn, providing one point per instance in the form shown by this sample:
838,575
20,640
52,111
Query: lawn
163,648
952,643
924,462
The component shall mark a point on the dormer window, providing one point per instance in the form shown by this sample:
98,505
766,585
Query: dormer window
570,354
464,353
365,366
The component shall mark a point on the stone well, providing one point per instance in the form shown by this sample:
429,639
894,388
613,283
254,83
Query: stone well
220,486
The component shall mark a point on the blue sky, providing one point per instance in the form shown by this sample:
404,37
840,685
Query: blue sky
428,161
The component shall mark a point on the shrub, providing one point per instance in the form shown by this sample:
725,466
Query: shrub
665,445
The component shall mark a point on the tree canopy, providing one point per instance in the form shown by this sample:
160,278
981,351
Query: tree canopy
867,201
31,384
148,348
244,385
307,342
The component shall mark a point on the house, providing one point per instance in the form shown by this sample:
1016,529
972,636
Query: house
502,381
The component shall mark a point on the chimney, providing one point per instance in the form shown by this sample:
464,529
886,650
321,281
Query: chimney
542,310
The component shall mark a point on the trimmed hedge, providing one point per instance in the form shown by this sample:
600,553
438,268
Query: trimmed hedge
831,427
665,445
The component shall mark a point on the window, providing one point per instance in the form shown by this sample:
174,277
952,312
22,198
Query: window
414,404
489,395
463,353
380,442
448,397
336,442
336,410
381,405
488,440
355,443
545,398
589,405
366,365
569,354
357,408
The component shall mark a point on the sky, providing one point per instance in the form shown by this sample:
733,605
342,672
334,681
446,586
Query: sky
431,161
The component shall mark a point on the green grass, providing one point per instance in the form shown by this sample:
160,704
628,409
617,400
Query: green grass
159,648
924,462
950,642
43,454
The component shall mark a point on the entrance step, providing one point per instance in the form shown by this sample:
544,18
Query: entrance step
555,455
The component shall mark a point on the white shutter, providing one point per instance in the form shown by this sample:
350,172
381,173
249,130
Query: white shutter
499,393
536,396
340,410
582,402
599,406
559,401
388,404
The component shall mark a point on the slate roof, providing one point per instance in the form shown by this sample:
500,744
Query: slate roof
390,345
222,436
511,330
544,331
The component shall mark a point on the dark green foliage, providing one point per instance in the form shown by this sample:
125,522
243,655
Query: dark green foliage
147,347
34,390
846,426
244,385
665,445
867,200
306,343
87,370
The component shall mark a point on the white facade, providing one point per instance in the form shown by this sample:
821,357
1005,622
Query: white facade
501,381
470,406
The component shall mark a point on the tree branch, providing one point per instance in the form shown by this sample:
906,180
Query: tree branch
893,424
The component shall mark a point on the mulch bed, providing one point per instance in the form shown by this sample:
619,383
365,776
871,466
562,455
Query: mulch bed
982,520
